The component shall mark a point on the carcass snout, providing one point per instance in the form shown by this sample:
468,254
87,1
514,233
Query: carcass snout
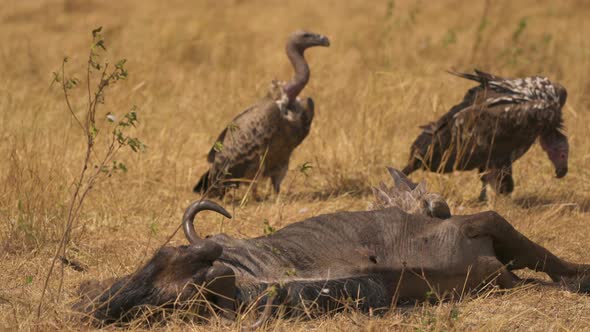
174,277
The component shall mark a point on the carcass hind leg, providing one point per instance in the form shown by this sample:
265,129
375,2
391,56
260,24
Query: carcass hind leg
488,270
517,251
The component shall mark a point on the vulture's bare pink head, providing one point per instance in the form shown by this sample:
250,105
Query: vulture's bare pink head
557,148
554,141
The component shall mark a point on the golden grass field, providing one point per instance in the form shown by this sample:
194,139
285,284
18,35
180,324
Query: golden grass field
195,64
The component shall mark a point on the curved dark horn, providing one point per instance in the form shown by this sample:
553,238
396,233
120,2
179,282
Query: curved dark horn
401,180
190,214
264,316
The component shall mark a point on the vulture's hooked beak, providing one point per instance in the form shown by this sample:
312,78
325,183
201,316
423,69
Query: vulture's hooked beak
324,41
560,172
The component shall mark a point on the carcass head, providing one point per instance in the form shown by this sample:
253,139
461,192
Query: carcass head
184,277
410,197
175,277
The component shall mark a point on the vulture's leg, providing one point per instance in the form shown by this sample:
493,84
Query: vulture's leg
219,192
277,177
501,180
254,192
517,251
483,196
506,184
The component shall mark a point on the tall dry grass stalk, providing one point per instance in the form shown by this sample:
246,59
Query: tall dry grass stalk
196,64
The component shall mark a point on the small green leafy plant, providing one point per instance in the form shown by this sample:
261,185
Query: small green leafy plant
104,135
268,229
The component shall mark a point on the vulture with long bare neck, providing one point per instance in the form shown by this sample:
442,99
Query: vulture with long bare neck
260,140
493,126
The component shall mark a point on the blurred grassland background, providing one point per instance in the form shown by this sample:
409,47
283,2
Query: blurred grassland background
194,65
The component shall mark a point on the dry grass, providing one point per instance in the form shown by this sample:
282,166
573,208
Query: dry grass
195,64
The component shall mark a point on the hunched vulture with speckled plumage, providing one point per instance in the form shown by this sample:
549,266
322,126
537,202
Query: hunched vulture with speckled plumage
494,125
260,140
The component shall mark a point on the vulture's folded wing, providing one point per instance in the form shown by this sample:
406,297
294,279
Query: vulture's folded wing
511,111
246,138
221,138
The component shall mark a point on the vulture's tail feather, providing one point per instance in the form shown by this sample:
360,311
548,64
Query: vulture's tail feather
203,184
472,77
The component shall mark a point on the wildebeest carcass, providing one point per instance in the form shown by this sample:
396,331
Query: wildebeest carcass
374,258
259,141
494,125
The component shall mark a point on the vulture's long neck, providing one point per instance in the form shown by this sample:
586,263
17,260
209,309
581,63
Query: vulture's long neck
295,85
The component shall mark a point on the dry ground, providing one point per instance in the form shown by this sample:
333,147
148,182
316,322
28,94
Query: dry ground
195,64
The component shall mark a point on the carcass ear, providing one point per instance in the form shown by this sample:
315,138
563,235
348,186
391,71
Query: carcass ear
420,189
380,194
401,180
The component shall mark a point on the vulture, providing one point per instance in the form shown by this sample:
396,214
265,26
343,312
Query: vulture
494,125
259,141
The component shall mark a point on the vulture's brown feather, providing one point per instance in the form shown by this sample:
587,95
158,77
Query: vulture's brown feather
263,136
493,126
